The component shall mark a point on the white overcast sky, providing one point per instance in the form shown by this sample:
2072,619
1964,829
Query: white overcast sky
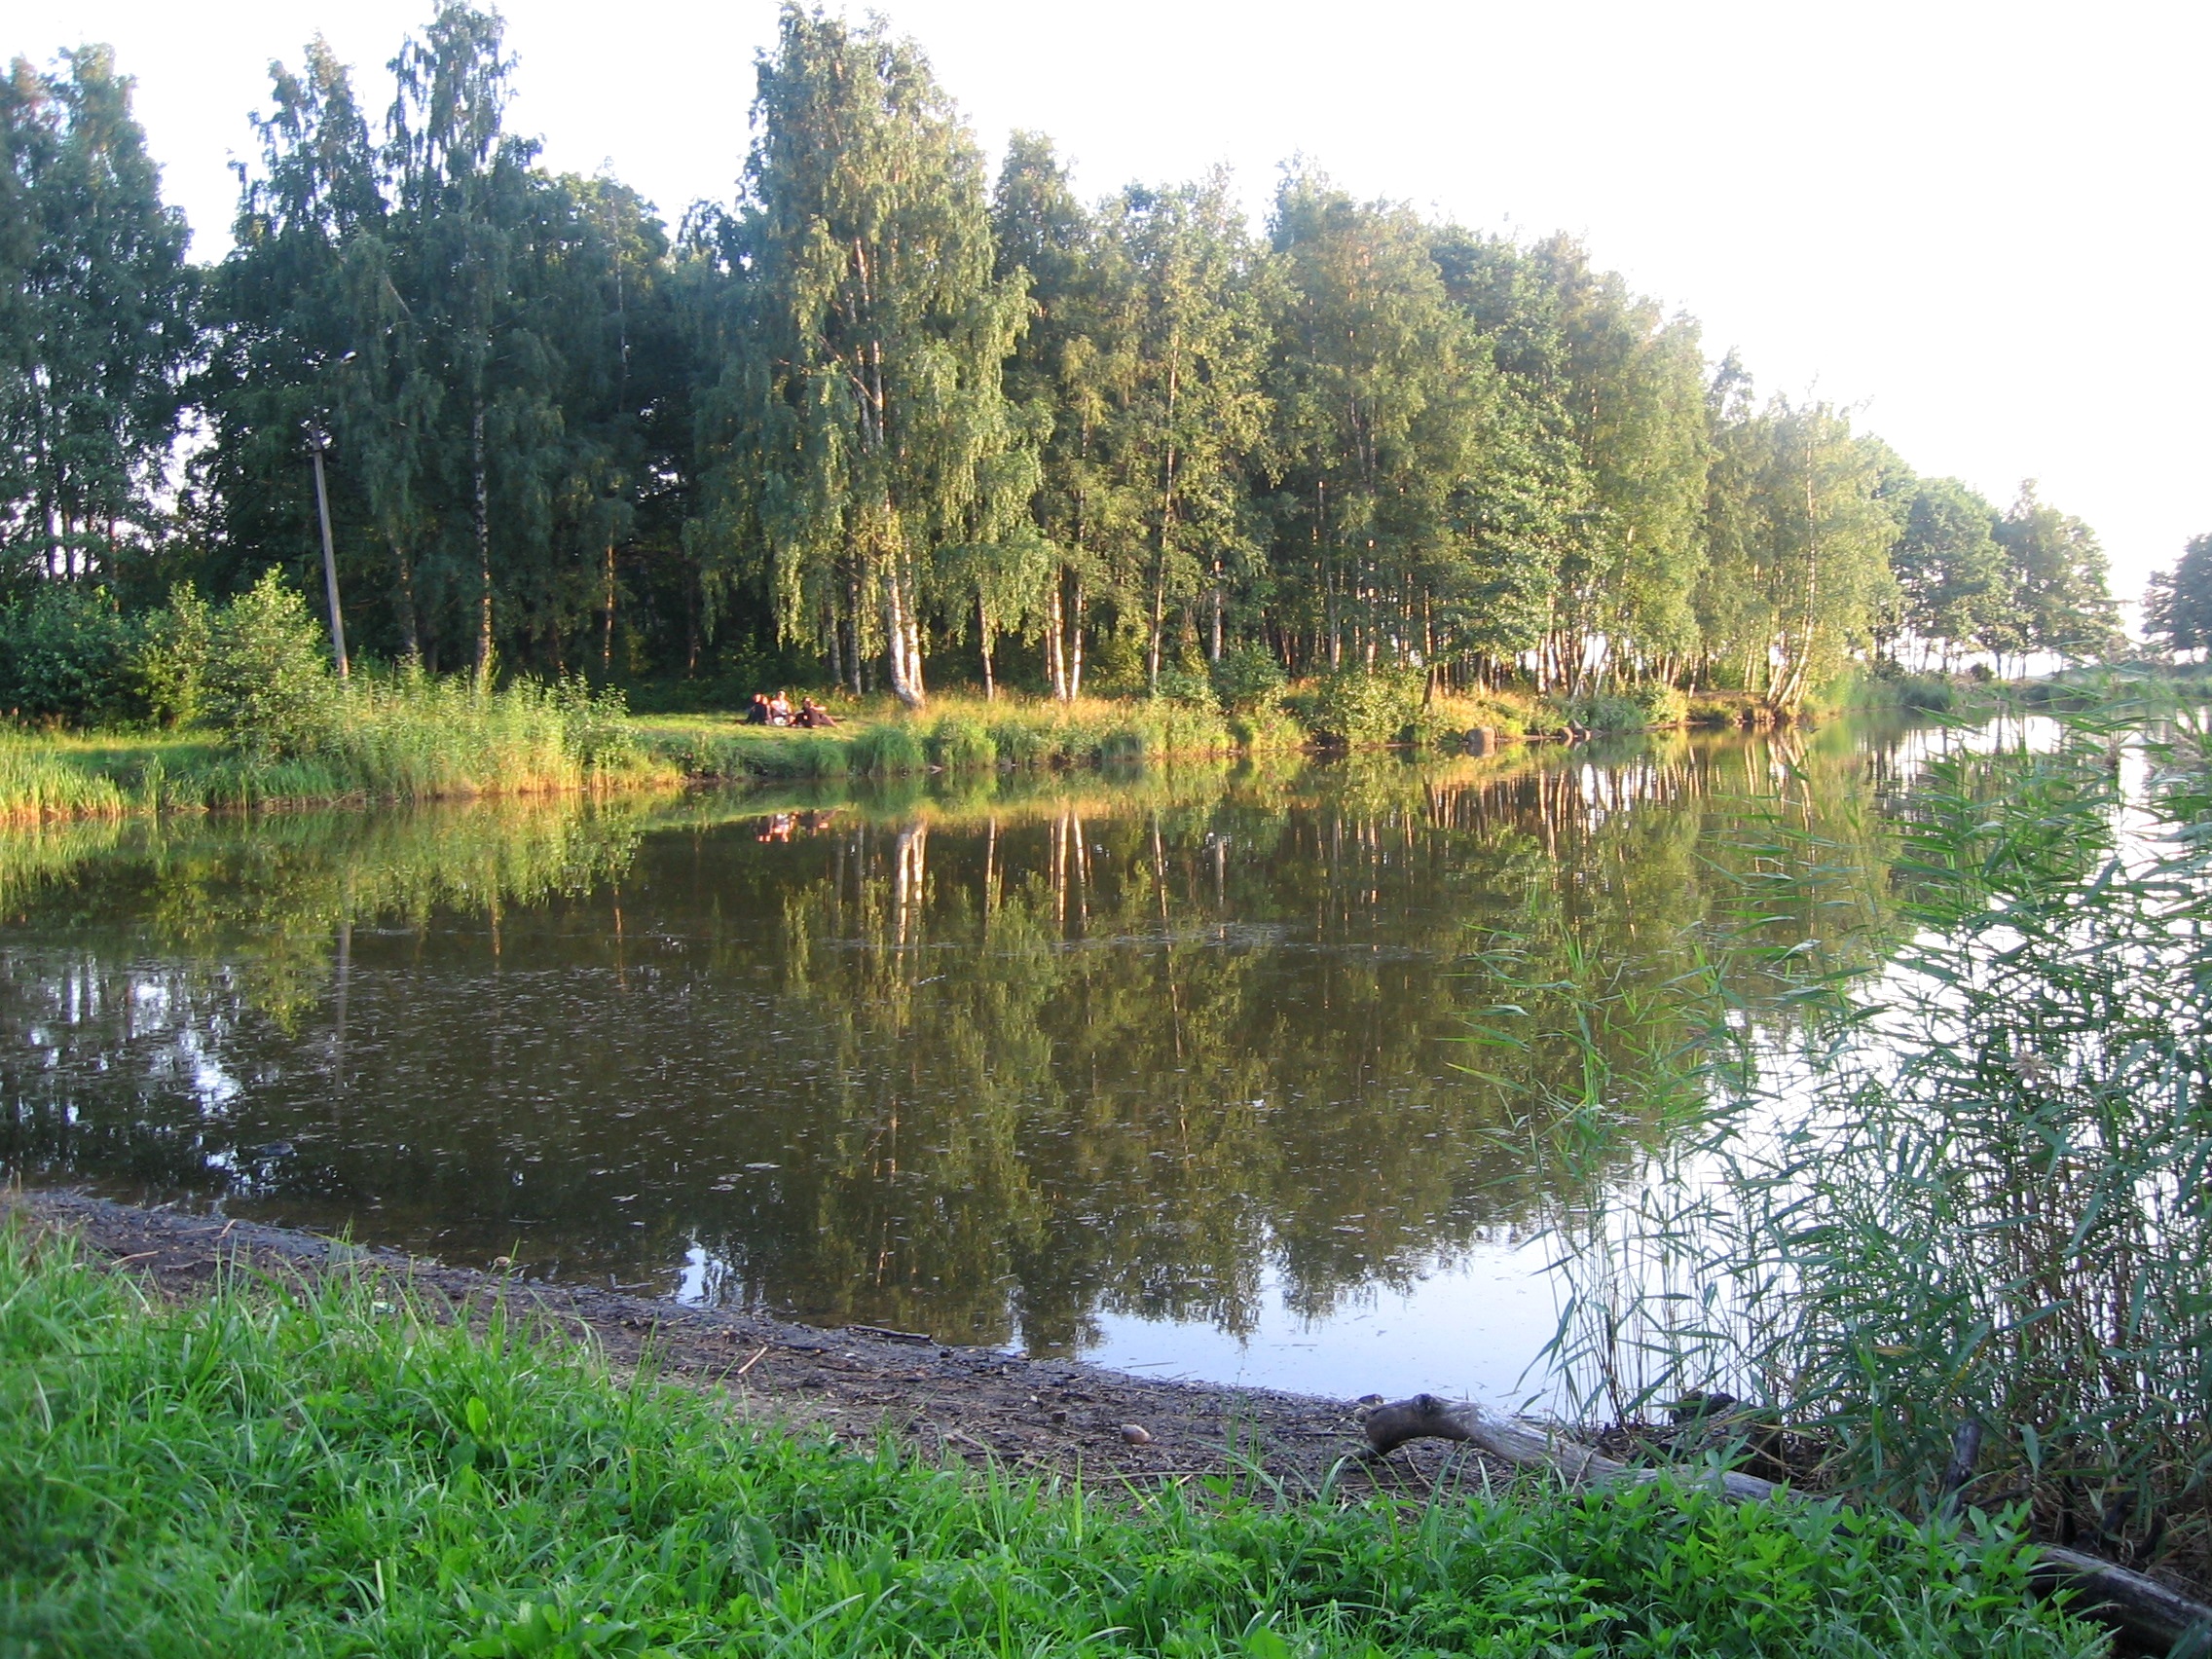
1986,226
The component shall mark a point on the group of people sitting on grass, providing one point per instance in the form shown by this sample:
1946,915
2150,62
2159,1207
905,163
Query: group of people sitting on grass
776,711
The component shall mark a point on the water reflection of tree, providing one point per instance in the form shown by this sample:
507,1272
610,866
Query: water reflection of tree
1186,1042
979,1063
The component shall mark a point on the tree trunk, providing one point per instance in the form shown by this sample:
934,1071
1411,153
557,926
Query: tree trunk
607,620
901,628
983,633
1075,645
410,637
1055,663
483,527
1213,643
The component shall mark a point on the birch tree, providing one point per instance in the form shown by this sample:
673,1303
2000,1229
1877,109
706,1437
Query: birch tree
884,331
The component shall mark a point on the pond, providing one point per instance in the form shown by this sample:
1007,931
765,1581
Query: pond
1271,1074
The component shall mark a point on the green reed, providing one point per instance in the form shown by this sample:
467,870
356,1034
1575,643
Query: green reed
337,1470
1971,1186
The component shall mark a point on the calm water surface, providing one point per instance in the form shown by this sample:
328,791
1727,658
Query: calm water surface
1172,1070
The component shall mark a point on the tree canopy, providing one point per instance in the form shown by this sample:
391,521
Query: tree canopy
878,409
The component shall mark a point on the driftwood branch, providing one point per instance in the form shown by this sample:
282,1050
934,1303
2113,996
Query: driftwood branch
2139,1607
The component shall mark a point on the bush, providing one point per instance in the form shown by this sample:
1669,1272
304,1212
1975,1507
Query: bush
1132,740
595,725
888,748
1662,705
1355,708
1928,693
1266,727
66,653
957,742
269,687
1177,686
1248,680
1636,709
172,658
1020,742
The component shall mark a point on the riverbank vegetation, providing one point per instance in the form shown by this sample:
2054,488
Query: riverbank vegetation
333,1468
884,423
1970,1191
238,705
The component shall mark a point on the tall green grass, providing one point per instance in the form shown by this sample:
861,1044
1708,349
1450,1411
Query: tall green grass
1974,1188
398,736
329,1471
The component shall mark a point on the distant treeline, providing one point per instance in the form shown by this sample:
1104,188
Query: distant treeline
880,419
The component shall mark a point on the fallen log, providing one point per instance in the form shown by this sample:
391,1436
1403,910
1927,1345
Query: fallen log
2138,1606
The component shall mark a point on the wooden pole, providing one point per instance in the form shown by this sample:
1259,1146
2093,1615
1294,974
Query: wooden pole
315,447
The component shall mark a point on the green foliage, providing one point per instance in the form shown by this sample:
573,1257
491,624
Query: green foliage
888,746
66,655
173,658
2177,606
1247,680
39,781
1269,727
884,441
269,687
333,1469
1180,686
2056,596
1662,705
955,740
862,415
1595,711
1636,707
1357,708
96,323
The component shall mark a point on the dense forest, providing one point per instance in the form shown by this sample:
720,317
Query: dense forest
882,422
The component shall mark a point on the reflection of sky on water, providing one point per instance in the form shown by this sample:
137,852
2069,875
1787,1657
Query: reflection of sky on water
1470,1328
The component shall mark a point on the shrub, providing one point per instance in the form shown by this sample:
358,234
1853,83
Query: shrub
1020,742
595,725
891,747
1248,680
172,658
1635,710
1662,705
1357,708
268,690
1264,728
66,653
956,741
1132,740
1178,686
1928,693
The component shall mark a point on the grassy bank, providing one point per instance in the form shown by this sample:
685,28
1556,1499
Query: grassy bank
329,1472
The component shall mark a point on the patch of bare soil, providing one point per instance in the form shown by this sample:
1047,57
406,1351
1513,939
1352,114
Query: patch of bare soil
982,1405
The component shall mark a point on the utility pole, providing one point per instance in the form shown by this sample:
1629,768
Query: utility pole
318,441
